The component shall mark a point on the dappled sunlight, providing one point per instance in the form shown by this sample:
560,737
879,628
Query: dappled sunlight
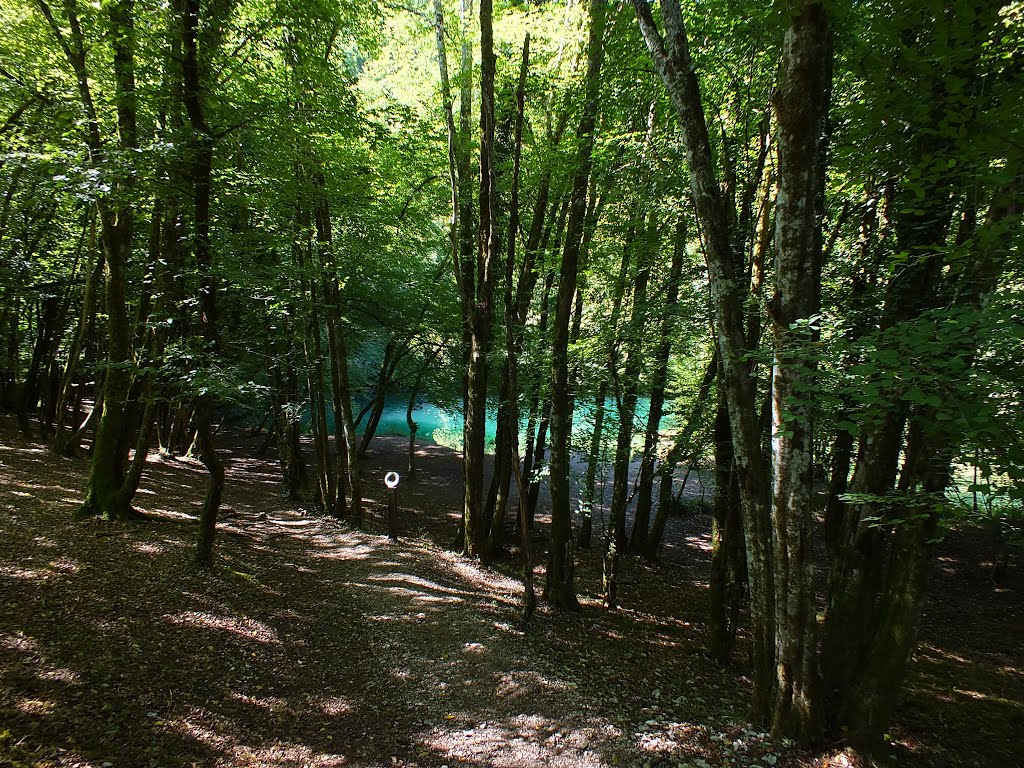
62,566
197,725
987,697
170,515
521,742
942,653
418,589
702,543
415,597
421,598
36,707
211,732
18,641
244,627
61,675
473,575
23,574
525,682
285,755
151,547
335,706
312,644
347,548
269,703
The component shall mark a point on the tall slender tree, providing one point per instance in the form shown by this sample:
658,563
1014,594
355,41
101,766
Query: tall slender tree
560,589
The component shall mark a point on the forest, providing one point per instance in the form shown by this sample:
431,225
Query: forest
689,335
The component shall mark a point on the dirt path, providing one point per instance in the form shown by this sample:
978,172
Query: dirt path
313,645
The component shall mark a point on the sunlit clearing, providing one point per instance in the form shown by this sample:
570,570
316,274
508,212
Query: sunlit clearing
245,627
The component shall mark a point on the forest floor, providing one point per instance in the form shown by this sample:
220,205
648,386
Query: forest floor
313,645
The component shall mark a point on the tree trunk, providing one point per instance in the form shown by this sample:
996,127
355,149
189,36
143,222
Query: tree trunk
801,104
682,447
69,376
109,452
387,371
726,534
507,437
540,410
638,542
201,172
347,459
559,588
313,346
413,426
589,501
285,407
627,395
671,58
107,466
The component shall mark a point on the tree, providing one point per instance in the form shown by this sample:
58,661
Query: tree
104,494
671,57
559,589
802,109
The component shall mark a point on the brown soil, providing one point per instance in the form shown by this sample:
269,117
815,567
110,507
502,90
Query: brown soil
313,645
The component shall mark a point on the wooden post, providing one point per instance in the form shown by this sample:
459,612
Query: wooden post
391,481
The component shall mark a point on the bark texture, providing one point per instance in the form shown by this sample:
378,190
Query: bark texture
801,105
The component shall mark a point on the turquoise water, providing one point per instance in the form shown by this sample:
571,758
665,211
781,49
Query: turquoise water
436,424
444,426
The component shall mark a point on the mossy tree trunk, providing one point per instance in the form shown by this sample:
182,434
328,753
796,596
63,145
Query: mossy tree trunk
106,471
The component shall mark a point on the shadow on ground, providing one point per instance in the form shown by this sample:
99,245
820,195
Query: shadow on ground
313,645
